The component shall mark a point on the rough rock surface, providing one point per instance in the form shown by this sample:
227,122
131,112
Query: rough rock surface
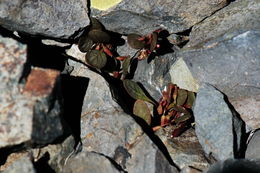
218,130
22,165
56,19
57,154
253,147
238,15
236,73
90,162
106,129
185,150
29,113
146,16
236,165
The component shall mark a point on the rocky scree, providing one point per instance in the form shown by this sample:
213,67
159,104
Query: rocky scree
65,106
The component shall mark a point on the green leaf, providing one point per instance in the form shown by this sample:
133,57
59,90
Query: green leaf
126,65
98,36
85,44
141,110
191,99
132,40
135,91
181,97
96,59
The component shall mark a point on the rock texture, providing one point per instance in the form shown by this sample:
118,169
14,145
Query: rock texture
56,19
185,150
29,113
253,149
218,130
233,165
144,17
22,165
90,162
238,15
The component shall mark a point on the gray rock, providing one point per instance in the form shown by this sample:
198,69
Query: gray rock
90,162
249,110
253,147
146,157
235,165
56,19
144,17
231,63
190,170
30,112
218,130
22,165
185,150
238,15
57,154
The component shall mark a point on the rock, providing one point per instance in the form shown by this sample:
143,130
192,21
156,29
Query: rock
249,110
185,150
144,17
59,19
11,158
238,15
90,162
219,130
189,170
146,157
55,155
231,64
22,165
235,165
181,75
29,113
55,43
253,147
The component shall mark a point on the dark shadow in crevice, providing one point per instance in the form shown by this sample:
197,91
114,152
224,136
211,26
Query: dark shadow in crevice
73,91
239,149
183,37
165,46
126,102
42,166
6,151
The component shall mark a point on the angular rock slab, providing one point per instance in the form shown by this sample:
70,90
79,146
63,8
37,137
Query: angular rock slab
90,162
253,147
145,16
235,165
185,150
218,130
231,63
238,15
29,113
56,19
22,165
146,157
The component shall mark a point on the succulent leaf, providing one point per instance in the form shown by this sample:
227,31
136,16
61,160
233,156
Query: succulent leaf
134,41
141,110
96,59
135,91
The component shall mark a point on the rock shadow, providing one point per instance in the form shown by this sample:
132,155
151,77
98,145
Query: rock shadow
73,92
